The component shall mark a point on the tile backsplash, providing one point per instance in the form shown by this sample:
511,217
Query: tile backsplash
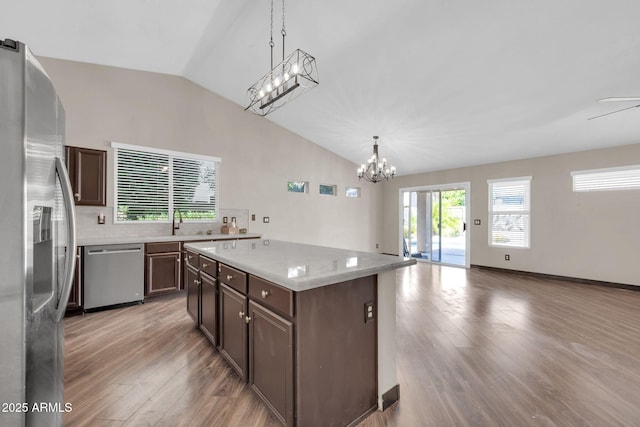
87,224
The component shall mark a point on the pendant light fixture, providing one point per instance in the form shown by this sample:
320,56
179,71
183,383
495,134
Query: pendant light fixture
295,75
375,170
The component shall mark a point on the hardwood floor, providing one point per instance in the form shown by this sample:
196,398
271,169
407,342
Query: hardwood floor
475,348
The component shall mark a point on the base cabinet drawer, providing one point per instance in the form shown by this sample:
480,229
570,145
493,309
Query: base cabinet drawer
271,295
233,278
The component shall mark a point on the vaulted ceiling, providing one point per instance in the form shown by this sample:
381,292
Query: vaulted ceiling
444,83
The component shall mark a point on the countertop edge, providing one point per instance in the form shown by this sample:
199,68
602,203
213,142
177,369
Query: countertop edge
299,286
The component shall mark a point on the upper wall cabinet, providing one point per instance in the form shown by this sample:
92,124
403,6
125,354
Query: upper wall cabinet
88,175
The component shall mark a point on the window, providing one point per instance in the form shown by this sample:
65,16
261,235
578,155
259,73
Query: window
330,190
352,192
509,212
622,178
297,186
151,183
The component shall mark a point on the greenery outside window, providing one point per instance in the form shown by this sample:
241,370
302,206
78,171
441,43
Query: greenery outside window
329,190
509,212
297,186
151,183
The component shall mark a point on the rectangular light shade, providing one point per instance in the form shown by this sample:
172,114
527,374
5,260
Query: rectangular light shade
295,75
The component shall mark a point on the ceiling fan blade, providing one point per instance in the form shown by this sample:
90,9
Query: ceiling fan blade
613,112
620,98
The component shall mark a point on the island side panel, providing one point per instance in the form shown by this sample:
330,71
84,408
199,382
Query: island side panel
388,388
336,380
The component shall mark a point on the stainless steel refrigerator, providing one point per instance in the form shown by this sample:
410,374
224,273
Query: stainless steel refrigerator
37,235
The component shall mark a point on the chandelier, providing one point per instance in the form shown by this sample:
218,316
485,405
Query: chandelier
375,169
295,75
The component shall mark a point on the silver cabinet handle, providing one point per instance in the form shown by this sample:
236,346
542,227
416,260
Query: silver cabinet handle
205,265
241,314
229,277
77,196
247,319
196,282
190,257
265,293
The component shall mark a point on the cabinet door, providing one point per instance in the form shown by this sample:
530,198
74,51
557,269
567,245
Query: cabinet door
193,294
163,273
87,171
208,306
271,360
233,329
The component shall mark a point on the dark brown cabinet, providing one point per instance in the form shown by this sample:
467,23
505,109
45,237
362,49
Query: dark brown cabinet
88,174
208,306
271,360
233,329
309,355
188,258
162,272
193,293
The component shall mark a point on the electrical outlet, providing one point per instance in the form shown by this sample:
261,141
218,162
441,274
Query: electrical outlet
507,257
265,219
369,313
253,217
225,220
476,222
377,245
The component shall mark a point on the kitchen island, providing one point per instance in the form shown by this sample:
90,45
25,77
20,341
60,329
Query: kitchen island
310,328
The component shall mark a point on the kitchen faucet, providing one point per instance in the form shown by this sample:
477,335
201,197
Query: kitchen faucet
173,225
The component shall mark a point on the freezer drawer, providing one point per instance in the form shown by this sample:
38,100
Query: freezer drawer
113,274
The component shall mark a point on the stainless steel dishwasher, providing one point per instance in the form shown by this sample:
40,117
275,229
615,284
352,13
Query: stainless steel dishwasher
113,274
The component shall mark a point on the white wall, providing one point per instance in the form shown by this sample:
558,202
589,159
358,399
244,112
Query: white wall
592,235
106,104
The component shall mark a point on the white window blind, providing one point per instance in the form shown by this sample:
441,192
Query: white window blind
150,184
623,178
509,212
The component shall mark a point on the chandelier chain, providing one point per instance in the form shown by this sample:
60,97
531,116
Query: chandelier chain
271,44
283,31
295,75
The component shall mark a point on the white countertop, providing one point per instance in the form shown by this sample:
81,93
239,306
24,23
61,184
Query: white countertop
92,241
296,266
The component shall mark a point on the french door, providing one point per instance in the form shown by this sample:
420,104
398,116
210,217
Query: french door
434,223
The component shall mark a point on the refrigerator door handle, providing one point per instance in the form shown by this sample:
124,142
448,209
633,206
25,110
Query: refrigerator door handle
70,264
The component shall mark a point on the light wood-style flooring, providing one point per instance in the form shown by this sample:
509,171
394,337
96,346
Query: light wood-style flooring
476,347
